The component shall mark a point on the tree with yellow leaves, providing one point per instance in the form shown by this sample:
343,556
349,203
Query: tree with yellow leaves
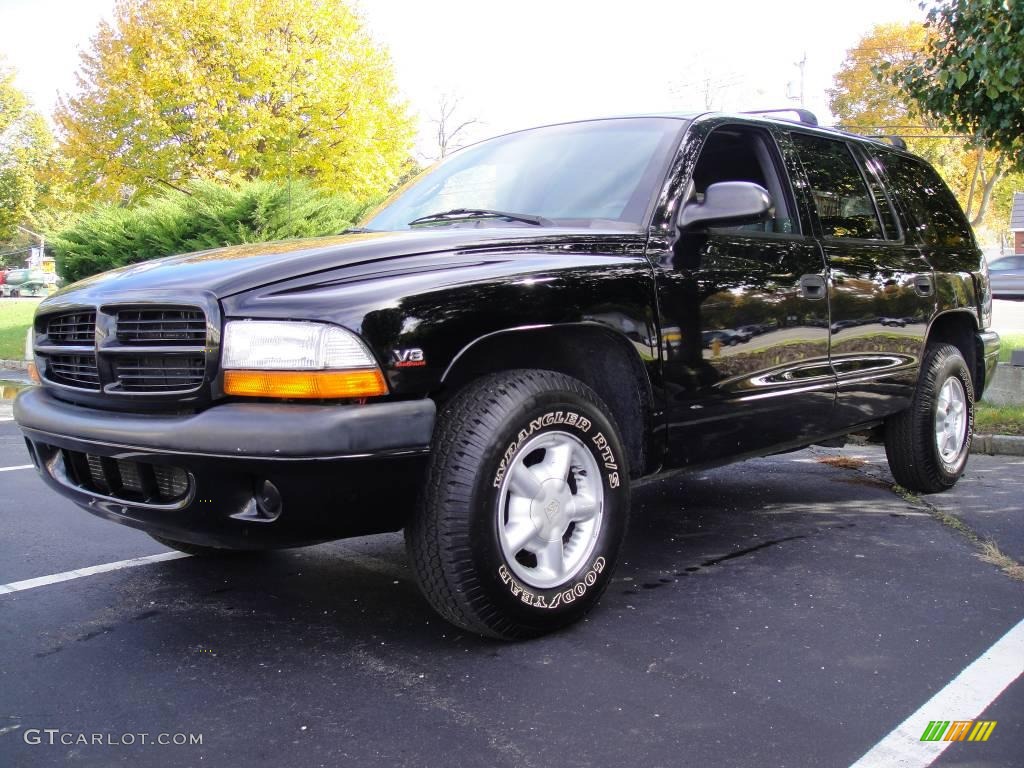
26,146
866,103
179,90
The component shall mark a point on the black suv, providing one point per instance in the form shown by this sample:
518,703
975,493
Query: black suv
514,337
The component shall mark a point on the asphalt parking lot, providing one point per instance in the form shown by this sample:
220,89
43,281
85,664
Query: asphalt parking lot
789,611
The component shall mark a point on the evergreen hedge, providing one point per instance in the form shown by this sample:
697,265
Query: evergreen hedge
205,215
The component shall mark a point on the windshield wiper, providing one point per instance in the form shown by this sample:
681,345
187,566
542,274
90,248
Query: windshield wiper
459,214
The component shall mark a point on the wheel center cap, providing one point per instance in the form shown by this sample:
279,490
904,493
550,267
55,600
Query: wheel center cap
549,510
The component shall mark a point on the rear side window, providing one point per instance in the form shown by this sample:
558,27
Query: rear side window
843,201
934,212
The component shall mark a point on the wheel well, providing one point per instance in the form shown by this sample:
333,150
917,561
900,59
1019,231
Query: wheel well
603,360
959,329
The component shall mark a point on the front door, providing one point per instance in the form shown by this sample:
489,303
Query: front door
744,315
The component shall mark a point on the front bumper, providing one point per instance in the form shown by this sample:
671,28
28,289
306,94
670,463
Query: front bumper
988,346
334,471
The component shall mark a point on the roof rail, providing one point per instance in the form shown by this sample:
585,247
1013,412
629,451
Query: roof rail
804,116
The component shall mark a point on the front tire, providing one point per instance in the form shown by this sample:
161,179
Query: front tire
927,445
527,498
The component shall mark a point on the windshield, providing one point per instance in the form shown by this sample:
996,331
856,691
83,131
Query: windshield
601,174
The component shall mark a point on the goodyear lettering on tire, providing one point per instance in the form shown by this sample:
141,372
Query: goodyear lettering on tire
568,595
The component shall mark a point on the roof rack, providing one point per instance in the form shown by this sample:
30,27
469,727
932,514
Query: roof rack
804,116
896,141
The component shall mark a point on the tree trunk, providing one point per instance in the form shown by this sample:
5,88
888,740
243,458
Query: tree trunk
974,181
988,185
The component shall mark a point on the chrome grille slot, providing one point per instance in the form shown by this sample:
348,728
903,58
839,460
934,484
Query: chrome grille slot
159,373
73,370
74,328
161,326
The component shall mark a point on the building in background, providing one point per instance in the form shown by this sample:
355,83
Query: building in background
1017,222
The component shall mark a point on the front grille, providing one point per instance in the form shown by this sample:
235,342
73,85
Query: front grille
161,326
159,373
74,370
129,480
132,349
74,328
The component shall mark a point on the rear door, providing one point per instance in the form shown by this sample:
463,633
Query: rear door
881,289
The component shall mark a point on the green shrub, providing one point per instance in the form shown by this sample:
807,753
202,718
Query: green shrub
206,215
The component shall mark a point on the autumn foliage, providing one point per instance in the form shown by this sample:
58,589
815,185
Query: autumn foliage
178,90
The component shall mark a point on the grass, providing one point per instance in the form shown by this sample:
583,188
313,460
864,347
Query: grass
1009,342
998,419
15,318
988,550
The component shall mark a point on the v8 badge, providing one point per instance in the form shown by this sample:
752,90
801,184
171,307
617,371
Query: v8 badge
408,358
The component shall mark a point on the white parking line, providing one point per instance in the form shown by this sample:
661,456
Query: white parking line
964,698
42,581
11,469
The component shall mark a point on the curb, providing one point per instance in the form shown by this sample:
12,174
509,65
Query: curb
14,365
998,445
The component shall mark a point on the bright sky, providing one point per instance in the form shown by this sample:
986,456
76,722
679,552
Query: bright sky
527,62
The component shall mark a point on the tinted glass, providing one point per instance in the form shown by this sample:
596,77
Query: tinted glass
841,197
599,173
1010,264
882,203
934,212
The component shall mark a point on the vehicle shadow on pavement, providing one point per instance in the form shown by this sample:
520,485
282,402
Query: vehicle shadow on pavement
363,590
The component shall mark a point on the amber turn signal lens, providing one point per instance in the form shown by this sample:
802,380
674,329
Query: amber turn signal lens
305,384
33,373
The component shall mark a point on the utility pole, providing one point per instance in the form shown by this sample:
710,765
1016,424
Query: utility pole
802,64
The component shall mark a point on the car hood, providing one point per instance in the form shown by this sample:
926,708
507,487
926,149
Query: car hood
227,271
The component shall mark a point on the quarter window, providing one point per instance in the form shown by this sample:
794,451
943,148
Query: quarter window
841,197
934,212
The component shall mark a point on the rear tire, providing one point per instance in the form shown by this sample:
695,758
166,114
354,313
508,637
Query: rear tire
520,525
927,445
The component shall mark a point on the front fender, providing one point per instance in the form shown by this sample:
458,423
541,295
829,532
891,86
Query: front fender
418,320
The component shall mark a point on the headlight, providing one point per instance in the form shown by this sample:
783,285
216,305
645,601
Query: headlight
290,359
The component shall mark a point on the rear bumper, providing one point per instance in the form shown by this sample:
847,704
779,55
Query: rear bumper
334,471
988,345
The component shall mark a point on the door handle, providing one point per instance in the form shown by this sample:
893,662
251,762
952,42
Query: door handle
812,287
923,285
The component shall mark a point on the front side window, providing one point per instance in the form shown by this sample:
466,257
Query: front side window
741,153
841,197
600,174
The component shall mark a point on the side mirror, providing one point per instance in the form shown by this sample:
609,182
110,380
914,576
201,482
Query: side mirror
728,202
